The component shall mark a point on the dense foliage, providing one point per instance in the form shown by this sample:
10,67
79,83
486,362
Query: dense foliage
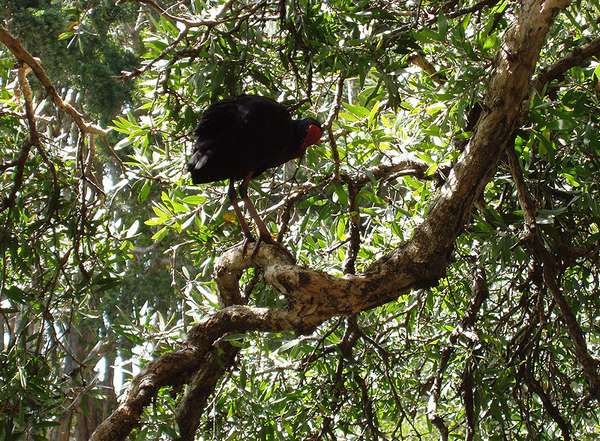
107,250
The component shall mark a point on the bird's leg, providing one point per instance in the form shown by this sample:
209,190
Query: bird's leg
264,234
300,159
238,213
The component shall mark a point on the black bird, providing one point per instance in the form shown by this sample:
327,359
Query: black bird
239,138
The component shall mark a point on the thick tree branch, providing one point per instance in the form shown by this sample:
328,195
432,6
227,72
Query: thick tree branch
21,54
176,368
354,215
216,363
314,296
578,57
507,92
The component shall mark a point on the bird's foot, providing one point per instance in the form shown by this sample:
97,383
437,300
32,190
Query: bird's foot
247,240
250,239
263,238
266,239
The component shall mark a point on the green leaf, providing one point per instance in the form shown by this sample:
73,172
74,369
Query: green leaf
356,110
442,23
125,142
15,294
341,228
161,212
145,191
373,114
195,199
160,234
155,221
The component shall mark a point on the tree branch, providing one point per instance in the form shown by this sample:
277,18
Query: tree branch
480,294
34,138
335,109
550,407
190,23
578,57
550,271
21,54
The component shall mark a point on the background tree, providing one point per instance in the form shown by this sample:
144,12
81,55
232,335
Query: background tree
401,312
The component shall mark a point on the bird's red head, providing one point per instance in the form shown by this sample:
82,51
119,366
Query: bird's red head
313,134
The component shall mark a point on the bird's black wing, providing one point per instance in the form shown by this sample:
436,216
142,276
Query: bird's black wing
217,135
239,136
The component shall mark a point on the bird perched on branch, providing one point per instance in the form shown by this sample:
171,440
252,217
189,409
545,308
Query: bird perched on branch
239,138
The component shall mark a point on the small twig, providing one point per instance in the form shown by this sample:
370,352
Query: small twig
333,113
34,138
482,4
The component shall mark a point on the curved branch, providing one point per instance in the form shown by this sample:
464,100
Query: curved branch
550,271
216,363
21,54
217,19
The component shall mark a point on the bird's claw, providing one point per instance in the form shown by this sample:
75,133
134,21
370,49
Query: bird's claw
248,239
266,239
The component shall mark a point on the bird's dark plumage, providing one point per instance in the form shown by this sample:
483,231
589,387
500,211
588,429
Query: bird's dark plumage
239,138
247,134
